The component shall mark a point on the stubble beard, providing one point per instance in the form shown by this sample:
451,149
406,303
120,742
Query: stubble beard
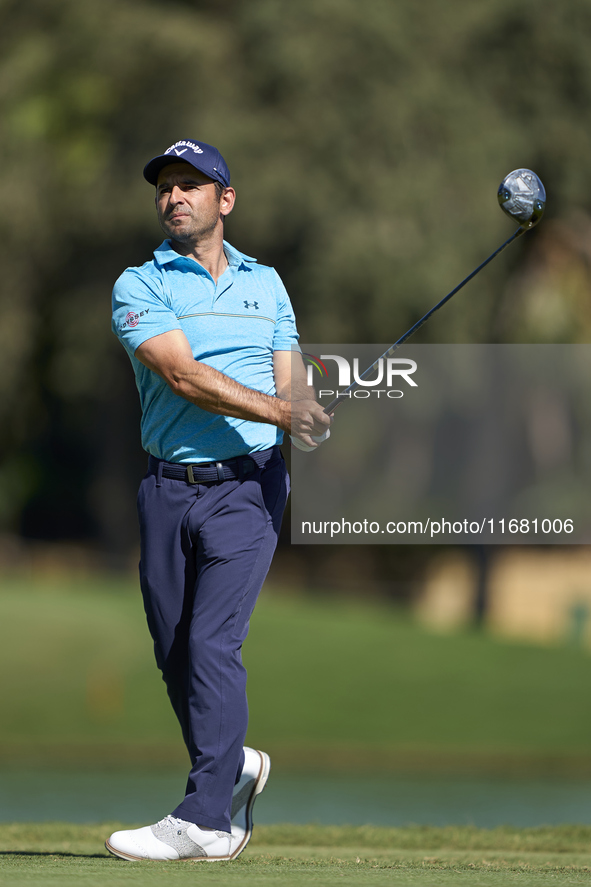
192,231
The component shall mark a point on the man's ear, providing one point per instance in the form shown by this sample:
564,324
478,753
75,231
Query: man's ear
227,201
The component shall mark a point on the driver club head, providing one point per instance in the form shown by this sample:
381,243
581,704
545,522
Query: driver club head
522,197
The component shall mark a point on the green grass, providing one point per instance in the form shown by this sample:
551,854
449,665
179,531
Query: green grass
56,854
328,680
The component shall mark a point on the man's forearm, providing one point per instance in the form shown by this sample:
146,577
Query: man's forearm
170,356
297,390
308,419
217,393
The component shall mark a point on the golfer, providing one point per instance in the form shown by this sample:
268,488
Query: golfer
211,335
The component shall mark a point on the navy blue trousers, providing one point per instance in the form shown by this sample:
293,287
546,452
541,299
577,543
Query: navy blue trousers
205,552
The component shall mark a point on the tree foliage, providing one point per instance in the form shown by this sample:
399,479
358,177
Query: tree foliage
366,143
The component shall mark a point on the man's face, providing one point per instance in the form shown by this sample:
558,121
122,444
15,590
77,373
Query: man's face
189,209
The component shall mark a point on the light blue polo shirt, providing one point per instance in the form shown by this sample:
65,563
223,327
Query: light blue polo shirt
233,326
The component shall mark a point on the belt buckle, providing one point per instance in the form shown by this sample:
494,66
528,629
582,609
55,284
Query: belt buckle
190,475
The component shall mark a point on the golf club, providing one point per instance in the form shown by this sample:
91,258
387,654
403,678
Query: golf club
522,197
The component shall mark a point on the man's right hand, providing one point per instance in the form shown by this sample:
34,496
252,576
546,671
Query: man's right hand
309,423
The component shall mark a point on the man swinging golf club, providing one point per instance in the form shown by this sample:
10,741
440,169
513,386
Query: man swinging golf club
210,334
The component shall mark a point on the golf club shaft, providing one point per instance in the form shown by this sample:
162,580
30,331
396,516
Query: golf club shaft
340,397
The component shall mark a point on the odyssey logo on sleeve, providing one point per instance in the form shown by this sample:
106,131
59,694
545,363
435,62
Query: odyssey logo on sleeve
132,319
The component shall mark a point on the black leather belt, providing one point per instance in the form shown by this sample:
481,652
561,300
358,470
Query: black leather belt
208,472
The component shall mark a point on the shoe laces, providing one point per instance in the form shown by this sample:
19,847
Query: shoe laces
172,822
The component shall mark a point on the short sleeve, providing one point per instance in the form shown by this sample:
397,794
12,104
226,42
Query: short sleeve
286,336
141,310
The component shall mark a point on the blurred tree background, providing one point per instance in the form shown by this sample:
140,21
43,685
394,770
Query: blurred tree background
366,143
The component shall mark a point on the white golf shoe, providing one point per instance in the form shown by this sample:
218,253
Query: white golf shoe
257,766
171,838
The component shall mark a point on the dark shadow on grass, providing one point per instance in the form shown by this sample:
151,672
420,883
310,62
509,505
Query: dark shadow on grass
55,853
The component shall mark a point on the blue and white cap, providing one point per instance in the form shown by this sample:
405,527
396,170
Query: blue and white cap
203,157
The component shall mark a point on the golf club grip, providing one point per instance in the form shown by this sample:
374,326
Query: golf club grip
344,394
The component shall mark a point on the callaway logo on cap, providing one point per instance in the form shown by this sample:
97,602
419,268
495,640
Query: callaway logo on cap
203,157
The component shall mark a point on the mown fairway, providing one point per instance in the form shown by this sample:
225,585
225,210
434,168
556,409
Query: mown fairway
56,854
327,679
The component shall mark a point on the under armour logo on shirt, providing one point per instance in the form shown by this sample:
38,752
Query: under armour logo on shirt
251,304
